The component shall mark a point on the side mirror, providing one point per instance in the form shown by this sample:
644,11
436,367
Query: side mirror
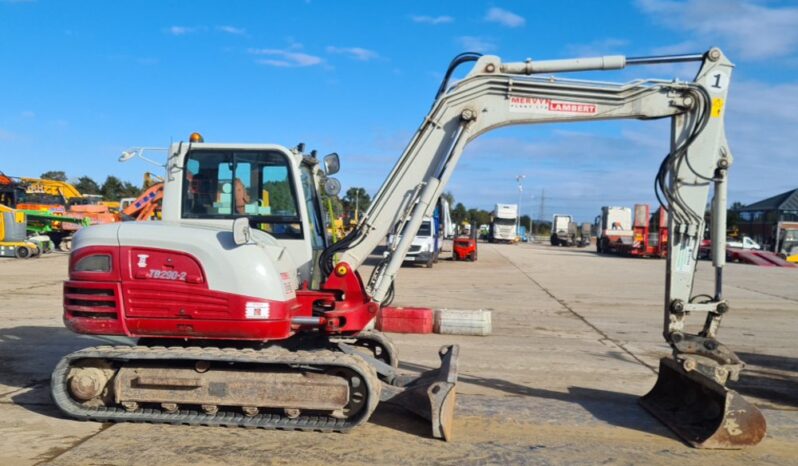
332,187
241,232
331,164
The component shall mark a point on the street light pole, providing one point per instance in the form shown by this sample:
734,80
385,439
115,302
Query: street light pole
519,179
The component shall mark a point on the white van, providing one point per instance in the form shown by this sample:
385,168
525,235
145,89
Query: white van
423,249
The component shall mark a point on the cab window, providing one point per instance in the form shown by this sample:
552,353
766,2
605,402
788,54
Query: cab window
316,224
231,184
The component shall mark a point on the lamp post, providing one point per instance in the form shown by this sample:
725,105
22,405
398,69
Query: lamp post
519,179
357,205
139,152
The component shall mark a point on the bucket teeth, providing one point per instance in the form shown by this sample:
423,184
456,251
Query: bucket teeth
701,411
432,395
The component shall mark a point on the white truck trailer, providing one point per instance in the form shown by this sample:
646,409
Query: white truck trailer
563,230
503,221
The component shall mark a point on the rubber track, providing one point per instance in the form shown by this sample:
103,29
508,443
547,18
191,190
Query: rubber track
271,356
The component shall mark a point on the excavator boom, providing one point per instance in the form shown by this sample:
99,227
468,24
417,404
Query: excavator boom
496,94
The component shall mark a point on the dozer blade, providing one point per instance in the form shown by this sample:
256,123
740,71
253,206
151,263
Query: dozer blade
432,395
701,411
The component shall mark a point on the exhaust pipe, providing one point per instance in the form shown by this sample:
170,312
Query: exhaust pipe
701,411
432,395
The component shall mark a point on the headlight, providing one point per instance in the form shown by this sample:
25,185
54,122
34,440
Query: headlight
94,263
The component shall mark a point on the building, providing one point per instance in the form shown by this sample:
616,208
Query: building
758,220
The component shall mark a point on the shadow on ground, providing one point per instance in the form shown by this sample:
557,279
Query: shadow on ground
28,355
614,408
773,379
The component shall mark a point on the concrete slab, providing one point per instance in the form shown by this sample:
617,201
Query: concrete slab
575,337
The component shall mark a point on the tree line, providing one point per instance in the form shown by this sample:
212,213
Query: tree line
356,198
112,189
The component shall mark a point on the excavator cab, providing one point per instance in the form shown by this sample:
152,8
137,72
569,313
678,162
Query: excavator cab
259,334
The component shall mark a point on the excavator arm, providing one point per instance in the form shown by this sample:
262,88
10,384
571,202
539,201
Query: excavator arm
496,94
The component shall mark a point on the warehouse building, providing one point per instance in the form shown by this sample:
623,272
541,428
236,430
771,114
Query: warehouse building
759,220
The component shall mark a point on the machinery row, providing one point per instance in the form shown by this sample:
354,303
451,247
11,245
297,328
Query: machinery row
40,215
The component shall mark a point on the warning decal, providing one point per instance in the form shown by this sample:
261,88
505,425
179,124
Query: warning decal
717,106
548,106
288,285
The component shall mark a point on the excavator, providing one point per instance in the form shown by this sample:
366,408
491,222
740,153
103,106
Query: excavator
245,315
146,206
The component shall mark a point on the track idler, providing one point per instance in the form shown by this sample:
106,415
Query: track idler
432,395
701,410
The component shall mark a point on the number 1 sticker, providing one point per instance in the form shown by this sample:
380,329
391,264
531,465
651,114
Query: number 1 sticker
717,82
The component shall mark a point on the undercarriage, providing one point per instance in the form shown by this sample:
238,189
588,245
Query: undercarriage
273,387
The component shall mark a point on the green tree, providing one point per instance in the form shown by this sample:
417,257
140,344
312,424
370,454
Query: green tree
355,198
112,189
280,199
86,185
478,216
56,175
541,227
525,219
459,214
129,190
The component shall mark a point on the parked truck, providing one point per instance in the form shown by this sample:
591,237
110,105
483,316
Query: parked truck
503,221
563,230
613,229
585,235
640,235
650,232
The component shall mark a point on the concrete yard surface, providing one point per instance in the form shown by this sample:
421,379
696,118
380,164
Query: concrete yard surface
576,340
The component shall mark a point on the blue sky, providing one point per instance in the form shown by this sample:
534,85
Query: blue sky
83,80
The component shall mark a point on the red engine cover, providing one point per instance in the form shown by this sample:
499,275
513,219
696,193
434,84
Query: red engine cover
160,293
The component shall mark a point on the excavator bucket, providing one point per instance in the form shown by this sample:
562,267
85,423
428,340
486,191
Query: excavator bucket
701,411
432,395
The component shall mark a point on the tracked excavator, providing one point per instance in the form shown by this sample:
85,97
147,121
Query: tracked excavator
246,316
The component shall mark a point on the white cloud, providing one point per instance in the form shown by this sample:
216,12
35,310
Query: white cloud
476,44
356,53
434,20
232,30
285,58
752,29
181,30
504,17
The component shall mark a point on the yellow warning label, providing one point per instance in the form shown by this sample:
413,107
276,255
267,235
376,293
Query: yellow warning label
717,106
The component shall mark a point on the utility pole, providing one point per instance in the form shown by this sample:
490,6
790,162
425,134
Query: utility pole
357,205
519,179
542,205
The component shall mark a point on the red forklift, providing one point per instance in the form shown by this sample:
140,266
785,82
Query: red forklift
464,247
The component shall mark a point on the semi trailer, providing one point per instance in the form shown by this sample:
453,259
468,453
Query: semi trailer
503,222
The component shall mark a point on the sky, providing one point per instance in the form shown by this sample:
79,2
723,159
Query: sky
81,81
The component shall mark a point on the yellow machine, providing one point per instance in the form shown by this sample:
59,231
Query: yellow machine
787,241
50,192
13,235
